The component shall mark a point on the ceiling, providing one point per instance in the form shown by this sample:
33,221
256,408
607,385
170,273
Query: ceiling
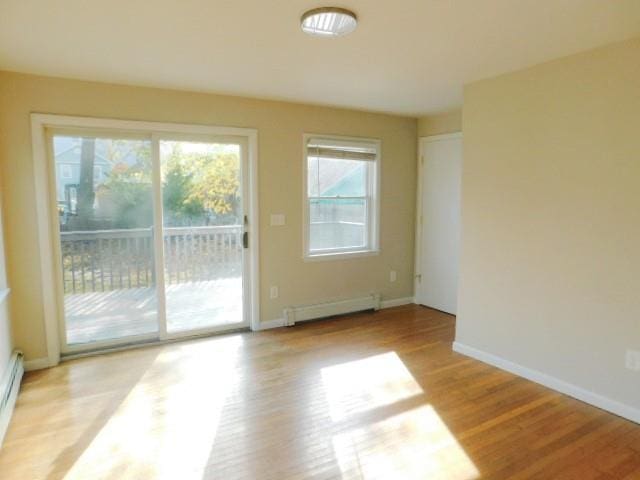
407,56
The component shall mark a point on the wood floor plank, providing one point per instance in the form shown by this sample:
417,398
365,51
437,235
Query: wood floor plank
365,396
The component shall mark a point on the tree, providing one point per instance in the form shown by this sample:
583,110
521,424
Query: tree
128,186
86,193
216,182
200,185
176,193
197,187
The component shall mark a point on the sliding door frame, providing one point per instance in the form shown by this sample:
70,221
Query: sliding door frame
48,228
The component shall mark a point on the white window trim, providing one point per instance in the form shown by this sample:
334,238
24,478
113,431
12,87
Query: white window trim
373,210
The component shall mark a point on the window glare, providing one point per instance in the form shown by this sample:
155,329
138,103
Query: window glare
329,177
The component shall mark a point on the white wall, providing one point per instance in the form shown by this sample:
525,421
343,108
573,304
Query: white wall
6,345
550,254
5,338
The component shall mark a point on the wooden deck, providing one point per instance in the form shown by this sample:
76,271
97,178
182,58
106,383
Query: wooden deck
98,316
367,396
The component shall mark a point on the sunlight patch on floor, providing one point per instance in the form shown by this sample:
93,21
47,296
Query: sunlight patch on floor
415,444
399,440
166,430
365,384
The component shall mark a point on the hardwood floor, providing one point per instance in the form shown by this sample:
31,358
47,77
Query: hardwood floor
375,396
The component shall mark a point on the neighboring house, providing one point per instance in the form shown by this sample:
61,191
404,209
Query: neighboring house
67,155
338,218
67,161
348,184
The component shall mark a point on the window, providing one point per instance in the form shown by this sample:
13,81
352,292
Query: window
97,174
65,171
341,196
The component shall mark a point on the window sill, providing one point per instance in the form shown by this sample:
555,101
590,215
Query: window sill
320,257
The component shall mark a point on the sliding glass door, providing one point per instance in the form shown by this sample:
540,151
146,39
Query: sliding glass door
203,228
150,235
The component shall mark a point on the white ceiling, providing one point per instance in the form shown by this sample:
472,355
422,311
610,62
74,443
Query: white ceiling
406,56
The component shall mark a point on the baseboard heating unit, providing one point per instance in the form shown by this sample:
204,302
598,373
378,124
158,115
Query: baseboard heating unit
9,387
294,315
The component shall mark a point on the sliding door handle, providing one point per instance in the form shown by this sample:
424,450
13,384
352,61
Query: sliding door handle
245,240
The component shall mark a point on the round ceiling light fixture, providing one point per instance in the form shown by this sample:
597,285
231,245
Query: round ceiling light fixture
328,22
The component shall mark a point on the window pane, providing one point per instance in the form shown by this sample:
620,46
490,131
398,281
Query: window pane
105,213
337,223
333,178
202,198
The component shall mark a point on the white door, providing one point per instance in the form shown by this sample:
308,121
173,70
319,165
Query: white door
439,230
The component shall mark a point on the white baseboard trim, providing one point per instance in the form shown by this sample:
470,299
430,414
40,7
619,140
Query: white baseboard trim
613,406
9,388
275,323
397,302
36,364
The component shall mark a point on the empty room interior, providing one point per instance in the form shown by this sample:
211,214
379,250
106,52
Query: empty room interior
281,240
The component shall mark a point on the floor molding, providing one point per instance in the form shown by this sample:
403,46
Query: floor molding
397,302
613,406
36,364
269,324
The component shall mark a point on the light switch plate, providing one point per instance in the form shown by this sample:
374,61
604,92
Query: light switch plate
277,219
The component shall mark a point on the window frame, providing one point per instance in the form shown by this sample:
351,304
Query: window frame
372,200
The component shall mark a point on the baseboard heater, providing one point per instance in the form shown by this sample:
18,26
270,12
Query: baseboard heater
9,387
294,315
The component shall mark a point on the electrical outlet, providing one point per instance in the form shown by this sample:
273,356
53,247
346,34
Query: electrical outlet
393,276
633,360
273,292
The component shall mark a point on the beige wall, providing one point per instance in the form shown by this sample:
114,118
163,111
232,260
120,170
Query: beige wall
448,122
550,257
280,129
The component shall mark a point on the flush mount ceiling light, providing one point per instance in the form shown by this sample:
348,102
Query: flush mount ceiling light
328,22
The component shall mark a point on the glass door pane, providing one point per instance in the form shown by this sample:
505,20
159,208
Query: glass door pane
203,227
105,214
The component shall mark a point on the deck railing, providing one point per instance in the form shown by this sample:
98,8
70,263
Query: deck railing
104,260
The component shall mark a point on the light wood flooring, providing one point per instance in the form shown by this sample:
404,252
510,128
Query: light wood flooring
367,396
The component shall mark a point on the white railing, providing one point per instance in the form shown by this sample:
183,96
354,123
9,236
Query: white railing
103,260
